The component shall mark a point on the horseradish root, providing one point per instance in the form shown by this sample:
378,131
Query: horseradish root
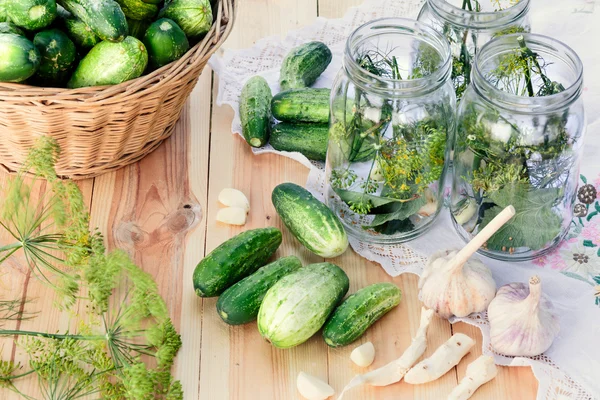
441,361
232,216
234,198
363,355
395,370
479,372
451,284
312,388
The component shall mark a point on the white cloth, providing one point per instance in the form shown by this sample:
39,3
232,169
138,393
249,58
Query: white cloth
570,369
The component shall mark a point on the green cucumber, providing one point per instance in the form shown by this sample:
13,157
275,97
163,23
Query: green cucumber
137,29
302,105
307,139
359,311
111,63
303,65
81,34
166,42
194,17
156,2
58,56
3,12
31,14
255,111
104,17
240,303
298,305
20,59
9,27
309,220
137,9
235,259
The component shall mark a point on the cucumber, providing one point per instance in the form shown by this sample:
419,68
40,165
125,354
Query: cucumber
194,17
303,65
31,14
110,64
9,27
255,111
3,12
104,17
359,311
58,56
81,34
235,259
137,9
240,303
307,139
137,29
20,59
156,2
302,105
298,305
309,220
166,42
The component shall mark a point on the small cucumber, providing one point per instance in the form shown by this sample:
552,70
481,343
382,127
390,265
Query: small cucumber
81,34
194,17
297,306
138,10
255,111
235,259
31,14
20,59
111,63
137,29
58,56
303,65
359,311
307,139
240,303
302,105
309,220
165,41
104,17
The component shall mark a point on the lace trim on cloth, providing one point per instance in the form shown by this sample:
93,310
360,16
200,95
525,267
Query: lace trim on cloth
234,67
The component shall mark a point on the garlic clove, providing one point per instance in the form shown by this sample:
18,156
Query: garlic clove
234,198
313,388
232,216
363,355
523,321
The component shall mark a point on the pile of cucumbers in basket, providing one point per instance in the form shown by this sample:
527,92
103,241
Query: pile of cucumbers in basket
80,43
302,111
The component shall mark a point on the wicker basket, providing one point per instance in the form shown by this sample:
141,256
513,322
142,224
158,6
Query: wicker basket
104,128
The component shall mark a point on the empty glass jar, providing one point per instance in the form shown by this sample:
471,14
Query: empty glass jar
392,119
520,128
469,24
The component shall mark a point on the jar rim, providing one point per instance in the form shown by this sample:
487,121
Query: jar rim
524,104
479,20
399,87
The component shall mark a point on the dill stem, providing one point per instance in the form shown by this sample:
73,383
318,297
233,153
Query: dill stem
526,55
13,246
51,335
13,377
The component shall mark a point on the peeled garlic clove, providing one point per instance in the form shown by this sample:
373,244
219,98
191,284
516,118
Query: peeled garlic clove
523,321
312,388
232,216
451,288
234,198
363,355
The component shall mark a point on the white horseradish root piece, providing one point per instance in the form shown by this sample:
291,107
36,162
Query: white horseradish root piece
312,388
441,361
479,372
395,370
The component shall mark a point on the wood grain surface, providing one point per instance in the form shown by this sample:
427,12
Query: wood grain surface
162,211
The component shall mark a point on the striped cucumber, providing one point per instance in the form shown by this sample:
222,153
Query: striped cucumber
359,311
104,17
255,111
302,105
240,303
20,59
297,306
307,139
31,14
235,259
309,220
303,65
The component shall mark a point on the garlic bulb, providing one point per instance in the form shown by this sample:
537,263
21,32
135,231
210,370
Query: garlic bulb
523,321
450,287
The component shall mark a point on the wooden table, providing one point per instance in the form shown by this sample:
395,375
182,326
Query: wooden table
162,210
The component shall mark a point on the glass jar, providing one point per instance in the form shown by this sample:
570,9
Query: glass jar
469,24
392,117
520,128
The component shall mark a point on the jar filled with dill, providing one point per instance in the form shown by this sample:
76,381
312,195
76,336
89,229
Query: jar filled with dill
469,24
392,119
520,128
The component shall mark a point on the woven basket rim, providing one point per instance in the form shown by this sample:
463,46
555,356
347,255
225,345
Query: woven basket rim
96,95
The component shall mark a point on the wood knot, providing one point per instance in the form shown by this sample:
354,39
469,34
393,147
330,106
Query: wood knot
184,218
129,232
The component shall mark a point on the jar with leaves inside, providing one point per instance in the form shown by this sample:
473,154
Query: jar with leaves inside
392,119
520,128
469,24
